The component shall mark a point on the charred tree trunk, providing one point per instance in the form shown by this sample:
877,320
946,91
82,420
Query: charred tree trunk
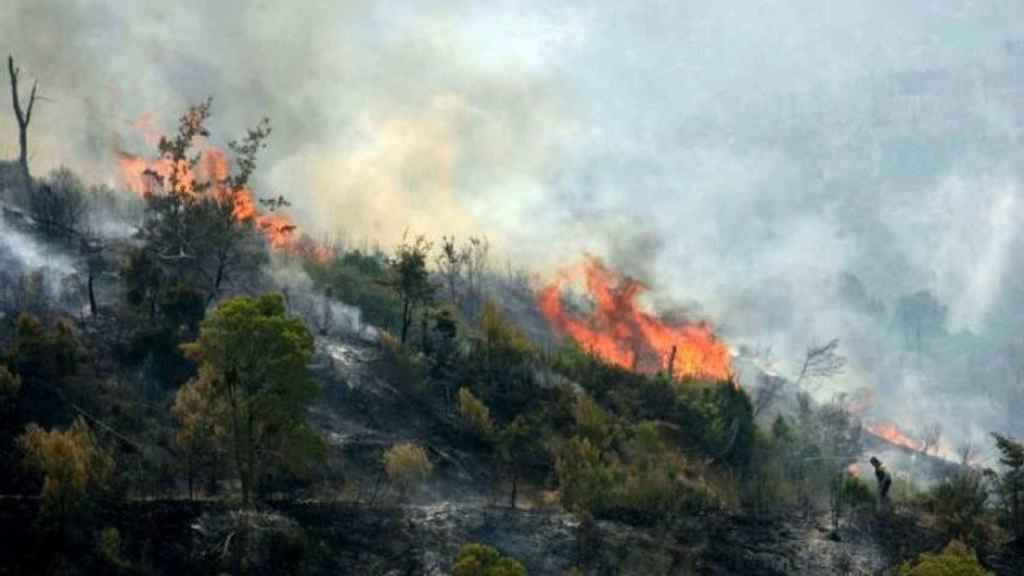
406,318
23,116
92,296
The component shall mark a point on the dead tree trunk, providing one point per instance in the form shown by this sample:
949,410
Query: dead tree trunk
23,116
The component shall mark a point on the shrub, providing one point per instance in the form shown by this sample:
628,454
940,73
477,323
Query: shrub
407,465
592,422
585,479
71,462
955,560
482,560
475,414
45,356
409,366
110,550
856,493
959,503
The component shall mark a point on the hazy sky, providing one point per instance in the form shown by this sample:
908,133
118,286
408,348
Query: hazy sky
739,156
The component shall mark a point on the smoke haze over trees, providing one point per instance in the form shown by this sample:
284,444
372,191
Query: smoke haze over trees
776,155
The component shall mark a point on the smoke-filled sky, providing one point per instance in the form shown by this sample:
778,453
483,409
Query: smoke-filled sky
787,169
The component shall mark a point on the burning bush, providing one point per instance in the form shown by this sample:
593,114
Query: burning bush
619,332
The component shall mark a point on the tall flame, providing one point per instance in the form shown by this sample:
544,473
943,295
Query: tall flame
620,333
139,174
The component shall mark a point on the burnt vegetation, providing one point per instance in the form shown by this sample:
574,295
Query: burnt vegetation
182,397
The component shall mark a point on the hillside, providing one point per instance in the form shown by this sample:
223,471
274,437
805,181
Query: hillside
190,385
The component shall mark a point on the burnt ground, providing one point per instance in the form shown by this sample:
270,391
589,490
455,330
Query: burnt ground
182,537
364,529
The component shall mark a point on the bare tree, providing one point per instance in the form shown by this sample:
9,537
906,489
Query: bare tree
476,268
967,452
450,263
59,205
23,115
821,363
930,436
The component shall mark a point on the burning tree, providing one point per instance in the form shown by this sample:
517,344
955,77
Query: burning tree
200,229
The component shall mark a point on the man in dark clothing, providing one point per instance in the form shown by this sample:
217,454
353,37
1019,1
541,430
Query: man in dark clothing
884,479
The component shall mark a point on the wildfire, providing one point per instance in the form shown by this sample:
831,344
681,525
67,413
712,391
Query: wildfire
894,435
620,333
140,175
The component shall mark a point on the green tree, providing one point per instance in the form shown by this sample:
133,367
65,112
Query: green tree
520,450
501,363
202,433
43,356
256,358
592,422
410,280
955,560
1011,483
585,478
71,462
482,560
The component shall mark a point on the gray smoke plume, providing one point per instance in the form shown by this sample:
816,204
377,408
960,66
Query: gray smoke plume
793,172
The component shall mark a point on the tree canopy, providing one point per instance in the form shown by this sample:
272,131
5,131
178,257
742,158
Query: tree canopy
255,357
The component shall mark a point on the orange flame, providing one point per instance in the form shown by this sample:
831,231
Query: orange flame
142,175
889,431
620,333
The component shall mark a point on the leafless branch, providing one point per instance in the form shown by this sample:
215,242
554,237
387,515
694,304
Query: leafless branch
821,363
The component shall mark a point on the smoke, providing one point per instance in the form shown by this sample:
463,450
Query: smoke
26,253
744,159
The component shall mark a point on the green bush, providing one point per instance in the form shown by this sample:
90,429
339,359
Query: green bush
110,550
408,367
856,493
585,478
359,279
482,560
955,560
407,466
475,415
959,503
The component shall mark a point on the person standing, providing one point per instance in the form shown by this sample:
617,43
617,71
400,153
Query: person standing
884,480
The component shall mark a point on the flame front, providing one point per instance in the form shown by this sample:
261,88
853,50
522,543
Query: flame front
620,333
889,431
137,173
